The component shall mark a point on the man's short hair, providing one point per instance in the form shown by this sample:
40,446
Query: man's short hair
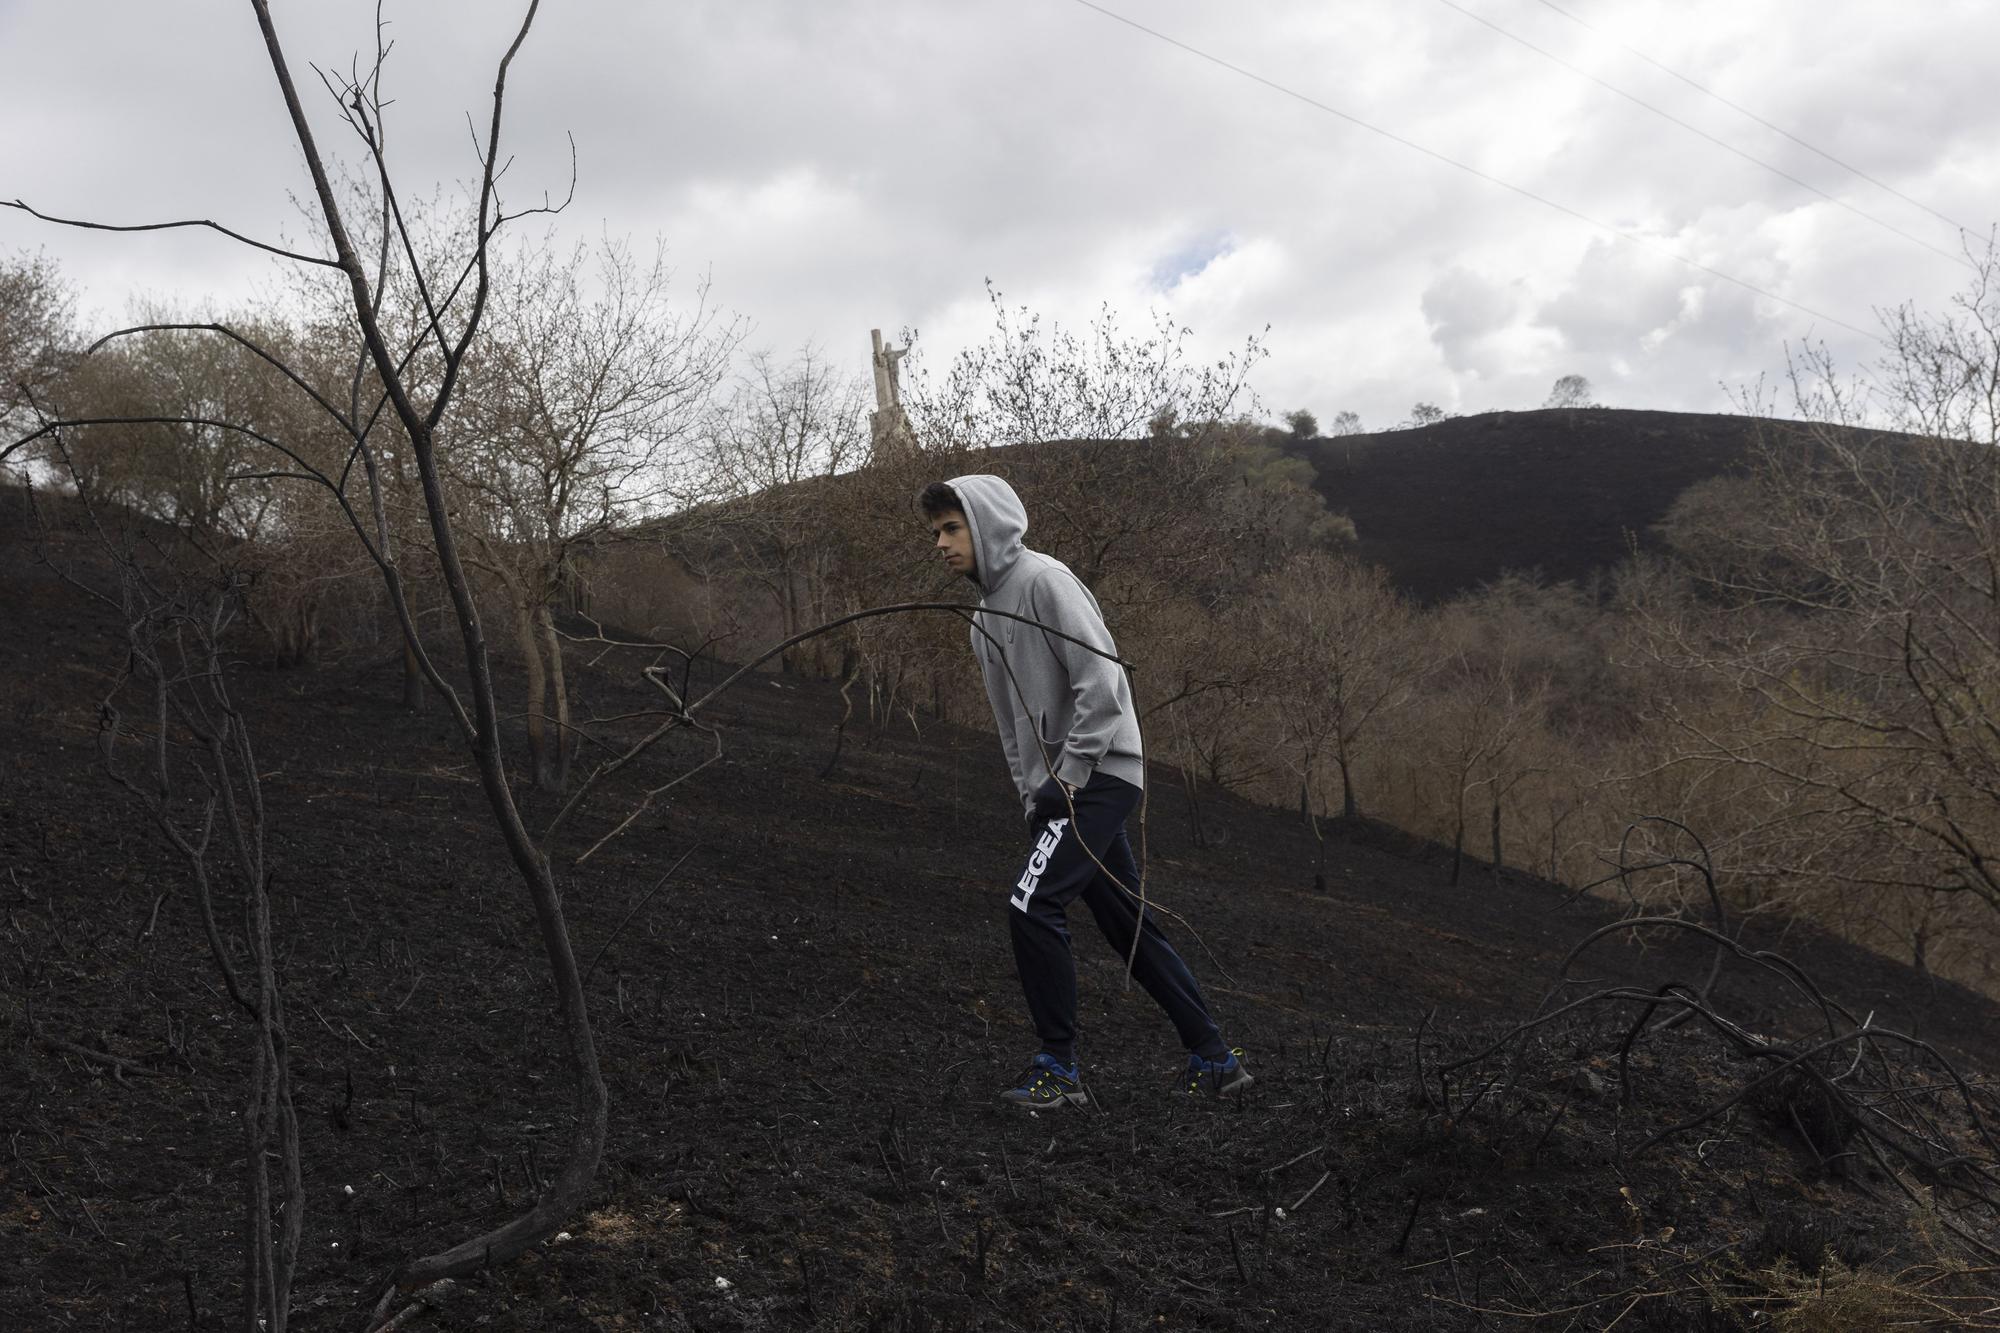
937,498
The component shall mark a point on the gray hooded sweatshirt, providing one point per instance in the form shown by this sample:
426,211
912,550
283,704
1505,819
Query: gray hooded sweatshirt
1060,707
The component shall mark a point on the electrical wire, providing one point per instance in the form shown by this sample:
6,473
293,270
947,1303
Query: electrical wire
1632,238
1697,131
1746,111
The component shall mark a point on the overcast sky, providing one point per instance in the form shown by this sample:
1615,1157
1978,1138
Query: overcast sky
837,166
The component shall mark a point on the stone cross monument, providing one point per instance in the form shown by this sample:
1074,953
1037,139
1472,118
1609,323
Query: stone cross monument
889,430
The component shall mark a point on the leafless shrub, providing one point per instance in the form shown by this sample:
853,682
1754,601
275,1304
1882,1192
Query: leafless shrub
173,739
37,332
1834,655
416,386
584,403
1851,1089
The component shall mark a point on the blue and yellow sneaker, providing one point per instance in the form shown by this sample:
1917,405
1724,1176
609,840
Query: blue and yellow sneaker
1213,1078
1048,1083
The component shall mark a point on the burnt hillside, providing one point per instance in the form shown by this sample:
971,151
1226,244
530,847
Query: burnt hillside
1447,507
803,1031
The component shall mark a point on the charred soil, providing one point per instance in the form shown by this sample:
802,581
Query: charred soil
804,1029
1566,492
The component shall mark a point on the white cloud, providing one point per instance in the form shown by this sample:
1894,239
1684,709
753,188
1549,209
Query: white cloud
1467,313
850,164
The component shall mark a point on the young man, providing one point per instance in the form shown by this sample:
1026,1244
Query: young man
1072,742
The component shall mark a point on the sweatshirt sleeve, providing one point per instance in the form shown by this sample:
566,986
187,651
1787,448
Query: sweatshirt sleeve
1099,697
1000,695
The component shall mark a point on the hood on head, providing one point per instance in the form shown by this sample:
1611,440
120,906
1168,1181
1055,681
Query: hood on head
998,521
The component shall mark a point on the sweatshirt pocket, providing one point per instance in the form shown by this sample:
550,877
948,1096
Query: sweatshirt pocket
1053,730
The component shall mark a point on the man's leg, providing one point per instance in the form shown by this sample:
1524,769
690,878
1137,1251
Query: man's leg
1114,901
1070,838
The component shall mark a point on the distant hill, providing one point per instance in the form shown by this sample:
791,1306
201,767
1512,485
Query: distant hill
1447,507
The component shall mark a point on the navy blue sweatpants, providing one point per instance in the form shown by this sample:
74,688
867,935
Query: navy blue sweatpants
1059,870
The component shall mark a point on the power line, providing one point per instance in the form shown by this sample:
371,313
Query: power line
1696,130
1745,111
1432,153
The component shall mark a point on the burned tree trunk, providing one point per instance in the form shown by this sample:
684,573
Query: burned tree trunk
560,742
413,680
1496,839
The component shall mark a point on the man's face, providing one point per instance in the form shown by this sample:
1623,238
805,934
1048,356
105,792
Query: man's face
952,536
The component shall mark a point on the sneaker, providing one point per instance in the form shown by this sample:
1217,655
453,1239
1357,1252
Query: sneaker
1048,1083
1213,1078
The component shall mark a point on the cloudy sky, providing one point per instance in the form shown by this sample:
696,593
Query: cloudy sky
838,165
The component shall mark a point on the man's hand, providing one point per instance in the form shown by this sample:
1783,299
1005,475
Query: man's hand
1054,794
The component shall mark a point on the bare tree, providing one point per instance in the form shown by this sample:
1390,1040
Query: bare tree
37,331
172,738
1570,391
1034,380
1350,656
589,391
1844,620
1105,509
1204,683
455,299
180,461
399,239
1484,709
784,432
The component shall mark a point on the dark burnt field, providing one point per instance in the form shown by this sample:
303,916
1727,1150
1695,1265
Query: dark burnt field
803,1031
1567,492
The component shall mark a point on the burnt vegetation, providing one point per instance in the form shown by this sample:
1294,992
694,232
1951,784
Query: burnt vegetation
1474,1103
1588,816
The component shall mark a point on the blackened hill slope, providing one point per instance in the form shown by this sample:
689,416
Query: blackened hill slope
805,1000
1447,507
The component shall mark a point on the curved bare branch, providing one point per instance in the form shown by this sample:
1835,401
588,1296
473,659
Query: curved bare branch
956,608
280,251
253,348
